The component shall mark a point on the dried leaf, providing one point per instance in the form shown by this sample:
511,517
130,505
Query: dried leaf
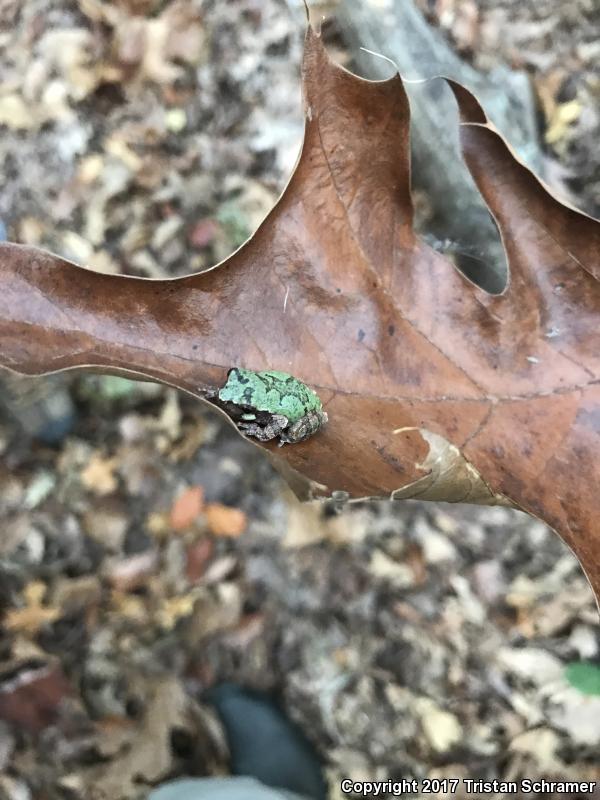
128,574
197,558
30,696
34,615
98,476
433,387
107,525
214,611
149,756
542,745
562,119
16,113
225,521
187,507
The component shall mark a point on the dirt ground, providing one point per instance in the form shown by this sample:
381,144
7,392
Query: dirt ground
152,553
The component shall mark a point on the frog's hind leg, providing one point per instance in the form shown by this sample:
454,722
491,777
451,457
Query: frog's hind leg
277,423
253,429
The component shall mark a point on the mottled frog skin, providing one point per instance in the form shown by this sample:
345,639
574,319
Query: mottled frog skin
271,404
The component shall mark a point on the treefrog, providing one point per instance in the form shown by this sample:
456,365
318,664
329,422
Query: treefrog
270,404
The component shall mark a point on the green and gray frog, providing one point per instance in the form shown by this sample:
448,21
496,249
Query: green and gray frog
270,404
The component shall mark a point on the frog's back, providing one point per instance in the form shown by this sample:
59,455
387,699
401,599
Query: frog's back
296,399
271,390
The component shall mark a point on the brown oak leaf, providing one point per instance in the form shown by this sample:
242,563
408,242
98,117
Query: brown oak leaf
434,388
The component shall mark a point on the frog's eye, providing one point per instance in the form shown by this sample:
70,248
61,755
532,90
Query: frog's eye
249,417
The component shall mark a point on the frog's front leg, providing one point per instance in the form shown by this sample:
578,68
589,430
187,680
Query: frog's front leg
264,433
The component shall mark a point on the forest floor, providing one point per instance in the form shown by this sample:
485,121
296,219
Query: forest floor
152,552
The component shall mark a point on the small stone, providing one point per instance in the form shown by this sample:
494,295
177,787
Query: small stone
584,641
490,583
176,119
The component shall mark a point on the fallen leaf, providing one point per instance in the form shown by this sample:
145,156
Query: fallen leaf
531,664
197,558
220,569
34,615
225,521
107,525
564,116
98,476
159,525
174,608
15,531
385,568
187,508
542,745
192,439
128,574
30,619
434,388
149,756
215,610
73,595
16,113
130,607
31,694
